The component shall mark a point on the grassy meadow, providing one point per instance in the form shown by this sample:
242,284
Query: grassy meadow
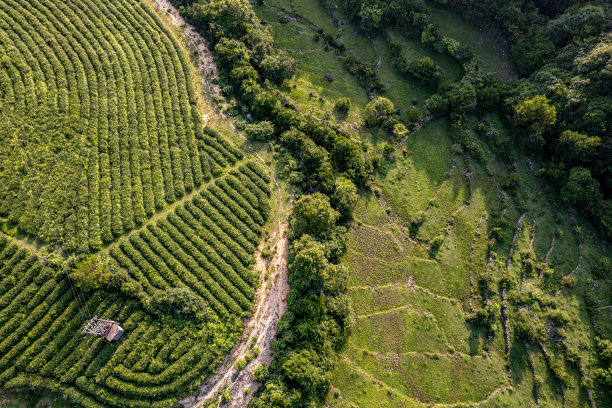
437,221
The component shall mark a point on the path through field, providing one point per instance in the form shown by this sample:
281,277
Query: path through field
206,63
270,304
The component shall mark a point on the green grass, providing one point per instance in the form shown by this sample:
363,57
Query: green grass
483,41
397,283
309,86
411,345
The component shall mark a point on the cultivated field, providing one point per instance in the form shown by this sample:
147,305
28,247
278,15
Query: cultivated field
104,151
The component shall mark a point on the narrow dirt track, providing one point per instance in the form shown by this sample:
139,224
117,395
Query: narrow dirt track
259,332
206,63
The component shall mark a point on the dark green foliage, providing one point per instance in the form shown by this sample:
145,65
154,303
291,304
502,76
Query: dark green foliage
436,104
603,268
378,112
92,273
306,369
278,67
307,264
581,188
262,131
261,373
487,317
343,105
527,327
180,303
344,197
312,215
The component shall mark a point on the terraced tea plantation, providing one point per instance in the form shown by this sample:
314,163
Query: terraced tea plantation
103,150
104,105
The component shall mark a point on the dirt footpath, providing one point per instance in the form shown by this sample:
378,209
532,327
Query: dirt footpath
260,330
206,63
270,299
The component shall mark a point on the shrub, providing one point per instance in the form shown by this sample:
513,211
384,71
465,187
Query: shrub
261,373
225,396
602,268
92,273
179,302
262,131
378,111
343,105
569,281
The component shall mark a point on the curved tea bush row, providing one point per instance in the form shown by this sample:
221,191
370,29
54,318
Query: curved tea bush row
104,101
207,244
41,345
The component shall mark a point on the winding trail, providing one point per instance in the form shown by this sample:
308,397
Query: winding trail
270,304
504,303
206,63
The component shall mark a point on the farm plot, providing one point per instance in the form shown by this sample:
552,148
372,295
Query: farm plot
103,150
207,244
100,127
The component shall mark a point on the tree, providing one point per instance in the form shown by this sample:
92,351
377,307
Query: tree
179,302
312,214
378,111
535,114
231,53
343,105
436,104
307,264
532,116
425,69
602,268
262,131
276,394
345,197
462,97
350,158
92,273
527,327
302,368
578,147
581,188
278,67
371,16
531,51
335,280
587,20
